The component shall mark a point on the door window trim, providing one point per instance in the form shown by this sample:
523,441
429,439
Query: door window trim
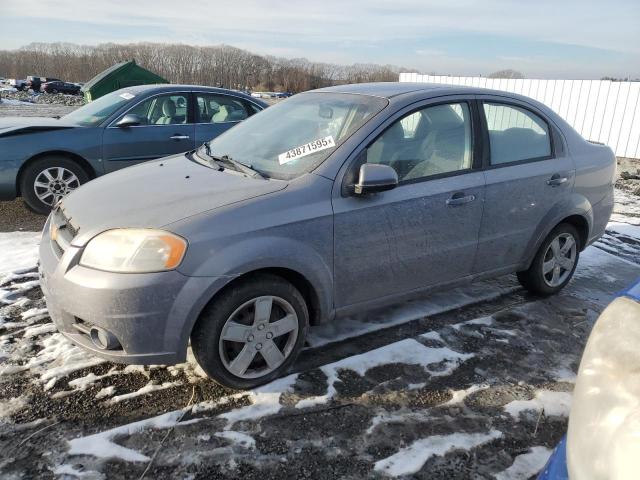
189,110
476,144
486,157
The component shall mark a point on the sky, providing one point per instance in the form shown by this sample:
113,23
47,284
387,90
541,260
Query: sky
540,38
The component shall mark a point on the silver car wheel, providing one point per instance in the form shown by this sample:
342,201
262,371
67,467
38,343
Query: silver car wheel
559,259
54,183
258,337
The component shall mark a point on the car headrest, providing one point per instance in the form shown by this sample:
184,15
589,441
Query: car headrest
443,117
168,108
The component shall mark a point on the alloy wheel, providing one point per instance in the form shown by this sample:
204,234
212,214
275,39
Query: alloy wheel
54,183
559,259
258,337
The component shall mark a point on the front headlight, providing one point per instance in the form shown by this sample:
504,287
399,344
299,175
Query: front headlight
134,251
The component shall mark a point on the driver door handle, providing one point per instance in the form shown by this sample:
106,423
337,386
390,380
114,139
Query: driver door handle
179,137
556,180
459,199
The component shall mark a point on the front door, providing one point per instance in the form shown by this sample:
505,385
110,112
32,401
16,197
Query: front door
528,174
423,232
166,129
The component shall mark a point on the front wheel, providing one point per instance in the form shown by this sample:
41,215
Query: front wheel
251,333
48,179
554,263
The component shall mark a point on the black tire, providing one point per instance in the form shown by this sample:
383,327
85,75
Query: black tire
32,170
533,278
55,90
205,337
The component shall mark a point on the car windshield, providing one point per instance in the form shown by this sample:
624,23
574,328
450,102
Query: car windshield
94,113
295,136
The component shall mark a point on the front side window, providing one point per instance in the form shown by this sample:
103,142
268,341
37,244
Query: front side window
431,141
162,110
94,113
296,135
515,134
213,108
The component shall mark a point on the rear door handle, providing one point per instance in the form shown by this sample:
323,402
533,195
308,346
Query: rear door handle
460,199
556,180
179,137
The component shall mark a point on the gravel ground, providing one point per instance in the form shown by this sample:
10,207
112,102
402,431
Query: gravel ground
15,216
491,378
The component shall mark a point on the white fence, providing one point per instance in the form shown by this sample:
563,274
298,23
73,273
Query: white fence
600,110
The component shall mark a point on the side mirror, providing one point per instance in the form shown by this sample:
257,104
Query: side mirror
375,178
129,120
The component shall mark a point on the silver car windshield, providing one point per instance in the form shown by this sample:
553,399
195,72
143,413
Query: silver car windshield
295,136
96,112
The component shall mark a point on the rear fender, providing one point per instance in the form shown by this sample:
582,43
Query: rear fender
574,204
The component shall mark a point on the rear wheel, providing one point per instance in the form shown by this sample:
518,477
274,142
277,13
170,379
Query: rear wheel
44,182
251,333
554,263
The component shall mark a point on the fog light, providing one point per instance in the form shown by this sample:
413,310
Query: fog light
103,340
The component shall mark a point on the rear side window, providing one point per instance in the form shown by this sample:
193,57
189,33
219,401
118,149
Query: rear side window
516,134
213,108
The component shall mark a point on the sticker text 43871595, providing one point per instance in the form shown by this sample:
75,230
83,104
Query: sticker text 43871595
306,149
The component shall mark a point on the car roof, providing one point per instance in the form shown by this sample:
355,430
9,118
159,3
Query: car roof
173,87
383,89
394,89
170,87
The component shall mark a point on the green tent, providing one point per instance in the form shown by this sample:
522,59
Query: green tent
121,75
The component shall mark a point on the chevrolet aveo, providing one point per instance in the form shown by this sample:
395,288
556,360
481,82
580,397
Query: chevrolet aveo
331,202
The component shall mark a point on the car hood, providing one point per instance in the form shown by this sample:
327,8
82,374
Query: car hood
157,193
19,125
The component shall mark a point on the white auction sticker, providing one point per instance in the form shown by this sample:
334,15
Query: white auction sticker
127,95
306,149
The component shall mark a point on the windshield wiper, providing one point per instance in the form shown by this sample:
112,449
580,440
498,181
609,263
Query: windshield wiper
226,159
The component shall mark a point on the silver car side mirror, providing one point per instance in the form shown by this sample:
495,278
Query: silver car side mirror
375,178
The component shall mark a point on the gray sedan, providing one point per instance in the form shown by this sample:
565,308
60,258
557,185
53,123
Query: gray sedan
43,159
331,202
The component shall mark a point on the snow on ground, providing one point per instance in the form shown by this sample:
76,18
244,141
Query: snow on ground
18,250
102,445
412,458
526,465
461,391
435,361
626,209
436,302
554,404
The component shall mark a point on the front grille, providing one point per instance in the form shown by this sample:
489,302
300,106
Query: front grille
62,231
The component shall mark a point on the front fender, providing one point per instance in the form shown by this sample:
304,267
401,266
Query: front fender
574,204
249,255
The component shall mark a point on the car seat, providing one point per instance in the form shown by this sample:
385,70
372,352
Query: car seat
168,113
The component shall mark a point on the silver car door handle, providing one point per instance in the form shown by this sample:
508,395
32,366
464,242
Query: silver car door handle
556,180
456,200
179,137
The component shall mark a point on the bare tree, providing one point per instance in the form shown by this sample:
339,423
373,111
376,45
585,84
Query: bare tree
508,73
220,65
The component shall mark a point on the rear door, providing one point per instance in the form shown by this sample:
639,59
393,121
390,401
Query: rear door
167,129
423,232
216,113
528,174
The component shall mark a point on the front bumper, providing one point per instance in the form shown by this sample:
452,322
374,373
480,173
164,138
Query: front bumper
150,314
